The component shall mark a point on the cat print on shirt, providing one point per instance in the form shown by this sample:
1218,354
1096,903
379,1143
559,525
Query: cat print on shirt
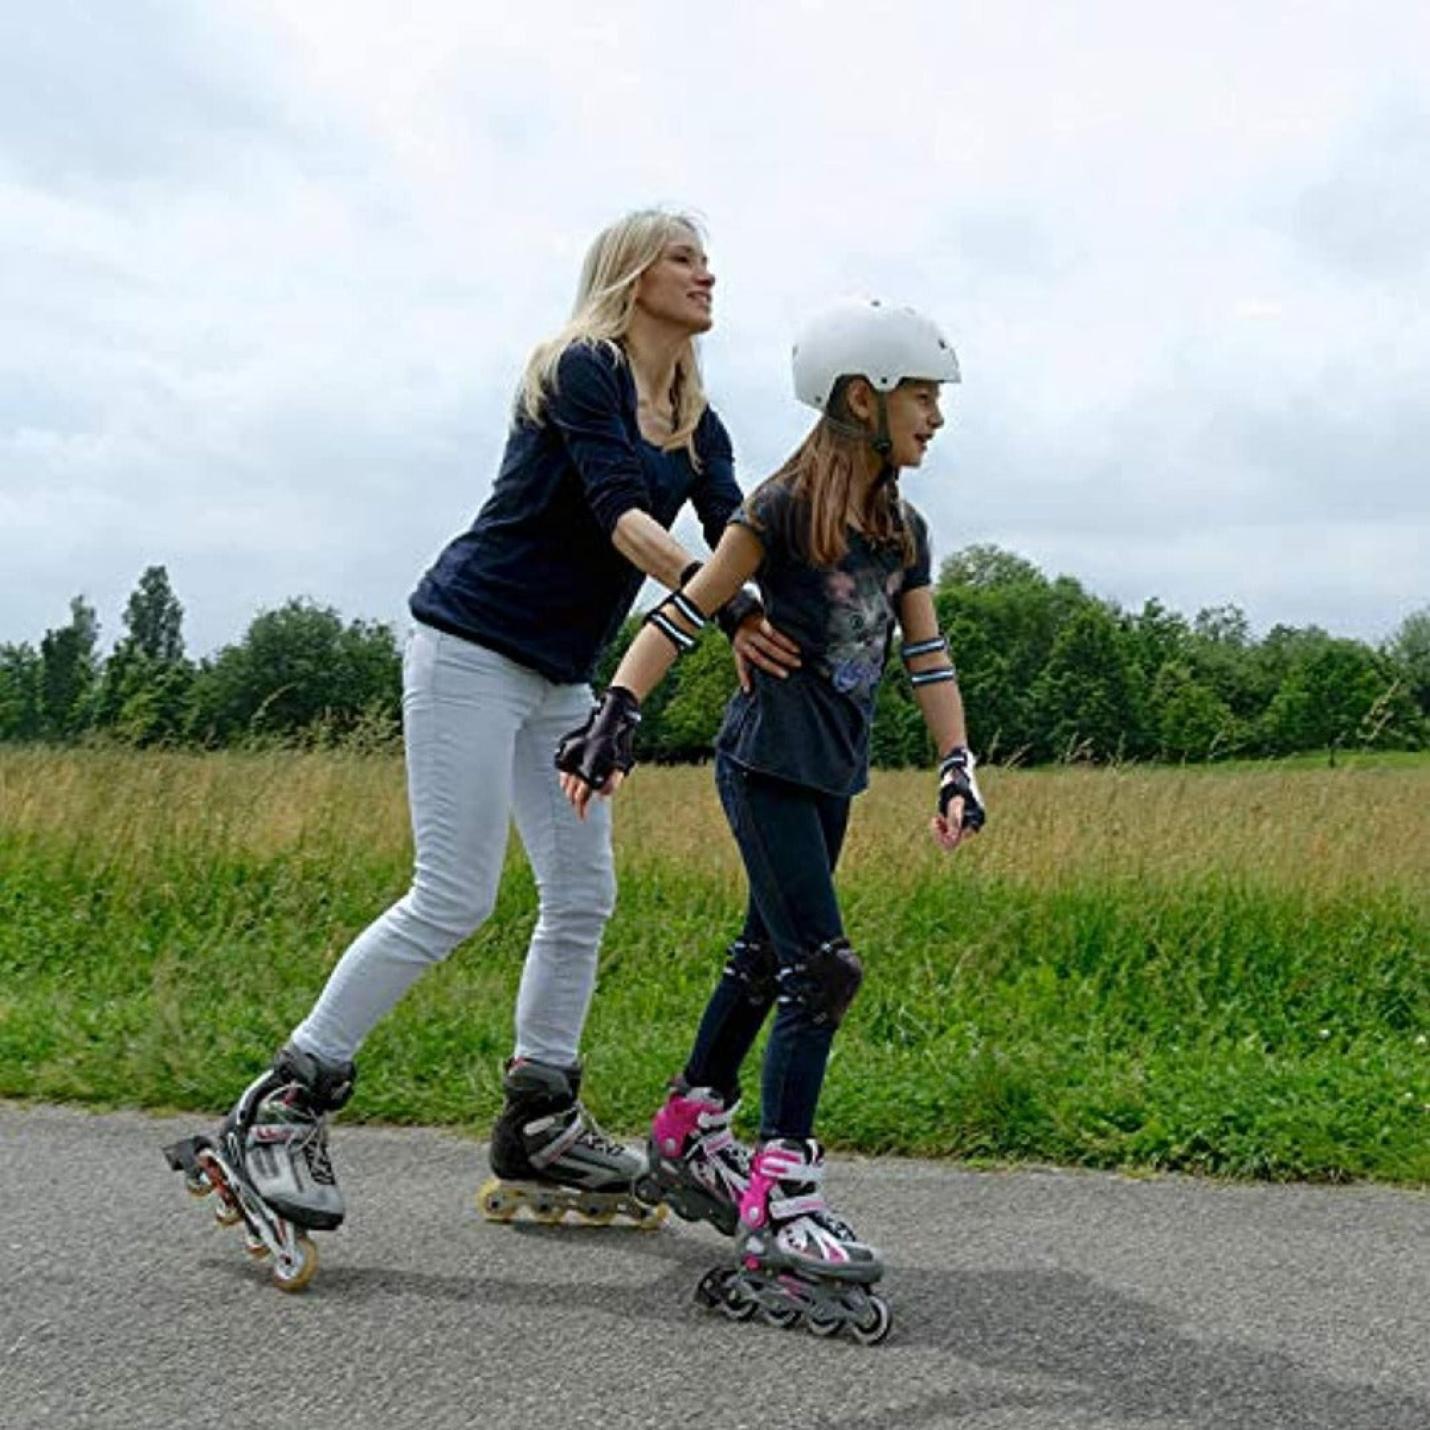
861,613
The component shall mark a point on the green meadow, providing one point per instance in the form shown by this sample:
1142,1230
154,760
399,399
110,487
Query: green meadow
1223,970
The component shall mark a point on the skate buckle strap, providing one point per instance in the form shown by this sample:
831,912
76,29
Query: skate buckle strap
543,1157
787,1163
785,1207
717,1141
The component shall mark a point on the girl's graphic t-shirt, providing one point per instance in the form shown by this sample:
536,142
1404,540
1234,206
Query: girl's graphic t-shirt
812,727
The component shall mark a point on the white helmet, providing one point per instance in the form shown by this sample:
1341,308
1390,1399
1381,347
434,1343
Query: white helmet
866,338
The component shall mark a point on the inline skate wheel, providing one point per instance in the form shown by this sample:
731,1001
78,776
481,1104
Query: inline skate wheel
493,1203
548,1213
227,1213
293,1273
823,1325
875,1326
711,1290
647,1190
781,1316
594,1214
255,1246
197,1185
717,1292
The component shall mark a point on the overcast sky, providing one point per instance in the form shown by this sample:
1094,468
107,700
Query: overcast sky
269,272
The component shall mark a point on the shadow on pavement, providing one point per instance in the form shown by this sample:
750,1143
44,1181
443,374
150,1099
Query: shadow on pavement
1111,1354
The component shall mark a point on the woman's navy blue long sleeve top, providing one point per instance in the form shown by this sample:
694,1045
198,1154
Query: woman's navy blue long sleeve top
536,577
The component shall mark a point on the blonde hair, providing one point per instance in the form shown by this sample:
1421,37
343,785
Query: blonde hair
605,301
822,473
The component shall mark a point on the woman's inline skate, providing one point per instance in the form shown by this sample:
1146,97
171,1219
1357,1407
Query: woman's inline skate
696,1166
268,1164
798,1261
549,1156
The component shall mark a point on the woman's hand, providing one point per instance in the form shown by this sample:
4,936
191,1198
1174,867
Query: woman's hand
757,643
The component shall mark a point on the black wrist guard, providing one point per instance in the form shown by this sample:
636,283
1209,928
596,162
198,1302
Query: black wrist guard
742,604
687,574
603,745
957,781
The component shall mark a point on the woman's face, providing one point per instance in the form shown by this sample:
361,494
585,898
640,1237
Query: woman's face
676,288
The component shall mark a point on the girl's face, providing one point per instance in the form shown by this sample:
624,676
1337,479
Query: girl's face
676,288
914,417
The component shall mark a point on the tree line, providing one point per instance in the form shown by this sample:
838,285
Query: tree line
1049,672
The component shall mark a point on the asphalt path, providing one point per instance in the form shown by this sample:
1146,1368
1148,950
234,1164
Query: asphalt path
1036,1300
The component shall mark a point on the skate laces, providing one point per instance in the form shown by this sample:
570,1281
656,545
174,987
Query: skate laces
594,1136
304,1131
313,1145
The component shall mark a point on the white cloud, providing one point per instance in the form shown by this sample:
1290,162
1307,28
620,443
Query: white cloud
268,275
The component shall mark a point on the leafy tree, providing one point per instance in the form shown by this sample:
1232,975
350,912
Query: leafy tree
1224,626
21,692
1191,721
985,567
1343,694
154,618
1086,699
143,693
67,675
1157,637
298,669
1409,648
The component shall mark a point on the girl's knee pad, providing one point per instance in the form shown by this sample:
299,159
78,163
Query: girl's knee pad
823,982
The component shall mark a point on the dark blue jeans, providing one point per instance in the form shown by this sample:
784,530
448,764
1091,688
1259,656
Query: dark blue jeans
789,837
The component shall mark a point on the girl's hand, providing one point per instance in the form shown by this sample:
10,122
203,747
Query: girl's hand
596,756
948,831
960,803
579,793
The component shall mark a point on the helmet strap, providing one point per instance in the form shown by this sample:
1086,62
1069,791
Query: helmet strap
883,444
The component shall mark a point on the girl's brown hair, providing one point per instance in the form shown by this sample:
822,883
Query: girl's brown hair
823,472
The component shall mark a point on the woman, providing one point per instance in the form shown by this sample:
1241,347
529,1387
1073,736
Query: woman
612,435
840,558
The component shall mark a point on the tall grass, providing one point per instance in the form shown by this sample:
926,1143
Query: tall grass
1220,970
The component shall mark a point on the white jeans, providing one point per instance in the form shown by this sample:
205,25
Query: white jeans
481,732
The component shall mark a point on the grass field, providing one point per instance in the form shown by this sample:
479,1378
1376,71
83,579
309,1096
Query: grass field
1222,970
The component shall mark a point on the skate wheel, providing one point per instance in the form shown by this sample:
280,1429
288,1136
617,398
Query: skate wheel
823,1326
876,1325
227,1213
255,1246
293,1275
548,1215
711,1290
647,1190
781,1316
736,1308
494,1204
652,1218
198,1186
597,1216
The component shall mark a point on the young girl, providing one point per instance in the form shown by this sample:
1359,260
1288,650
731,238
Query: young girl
838,557
611,437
